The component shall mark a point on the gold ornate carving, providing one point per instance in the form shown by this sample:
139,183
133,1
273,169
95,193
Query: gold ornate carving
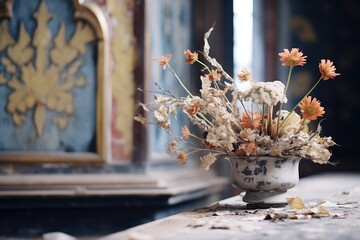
123,79
43,85
92,24
303,29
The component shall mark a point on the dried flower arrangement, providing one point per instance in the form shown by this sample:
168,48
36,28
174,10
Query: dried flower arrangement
231,128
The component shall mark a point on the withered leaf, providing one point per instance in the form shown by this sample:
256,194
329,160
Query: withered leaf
295,203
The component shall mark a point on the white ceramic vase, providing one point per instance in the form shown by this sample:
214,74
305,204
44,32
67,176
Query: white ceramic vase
265,179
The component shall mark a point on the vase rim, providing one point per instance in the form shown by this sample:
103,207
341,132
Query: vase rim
255,157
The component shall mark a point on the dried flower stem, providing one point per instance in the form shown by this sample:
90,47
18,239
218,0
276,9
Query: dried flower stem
228,103
307,94
270,112
196,137
262,117
192,144
204,65
205,119
165,92
179,80
301,125
204,149
281,104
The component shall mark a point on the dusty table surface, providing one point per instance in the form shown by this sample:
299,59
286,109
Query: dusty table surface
330,210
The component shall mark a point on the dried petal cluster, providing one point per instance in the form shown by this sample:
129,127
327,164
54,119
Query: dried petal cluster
229,126
268,93
327,69
310,108
292,58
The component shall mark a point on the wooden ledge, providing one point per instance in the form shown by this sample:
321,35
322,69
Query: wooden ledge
176,185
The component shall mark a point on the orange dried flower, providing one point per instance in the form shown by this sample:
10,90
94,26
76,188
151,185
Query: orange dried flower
292,58
164,60
250,148
194,108
207,145
327,69
214,75
244,75
191,57
247,149
181,157
185,132
310,108
250,120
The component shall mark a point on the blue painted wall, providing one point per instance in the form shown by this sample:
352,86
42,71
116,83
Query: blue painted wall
171,32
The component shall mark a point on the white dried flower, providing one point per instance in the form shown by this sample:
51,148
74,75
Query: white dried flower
161,99
229,86
317,153
263,140
162,117
207,161
172,109
144,107
269,93
301,138
222,136
206,83
292,123
278,148
216,135
171,147
248,134
327,142
141,119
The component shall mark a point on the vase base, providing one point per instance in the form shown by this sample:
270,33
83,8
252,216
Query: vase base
264,205
262,199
